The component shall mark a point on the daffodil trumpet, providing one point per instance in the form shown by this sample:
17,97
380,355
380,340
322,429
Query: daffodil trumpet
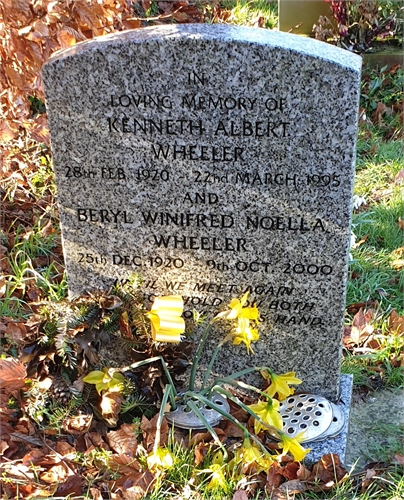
279,384
293,446
249,453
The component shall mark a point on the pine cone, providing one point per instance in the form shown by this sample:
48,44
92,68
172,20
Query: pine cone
60,390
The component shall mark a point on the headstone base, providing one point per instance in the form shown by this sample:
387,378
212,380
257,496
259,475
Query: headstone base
337,444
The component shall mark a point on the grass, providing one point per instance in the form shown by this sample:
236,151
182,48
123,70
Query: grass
251,12
30,262
373,274
388,484
392,443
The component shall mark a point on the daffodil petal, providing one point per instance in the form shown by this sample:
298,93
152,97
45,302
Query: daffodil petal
244,298
293,446
94,377
160,459
101,387
250,313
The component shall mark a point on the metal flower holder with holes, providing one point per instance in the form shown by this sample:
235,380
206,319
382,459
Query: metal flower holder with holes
289,420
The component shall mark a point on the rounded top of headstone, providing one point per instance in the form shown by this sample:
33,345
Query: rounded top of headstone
219,32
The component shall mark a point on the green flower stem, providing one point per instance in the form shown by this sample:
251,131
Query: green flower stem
242,372
166,395
138,364
219,389
211,363
243,385
200,415
229,417
198,357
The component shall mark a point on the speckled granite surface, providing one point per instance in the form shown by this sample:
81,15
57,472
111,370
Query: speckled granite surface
213,160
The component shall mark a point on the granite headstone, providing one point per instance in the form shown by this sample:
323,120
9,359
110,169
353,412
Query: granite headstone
213,160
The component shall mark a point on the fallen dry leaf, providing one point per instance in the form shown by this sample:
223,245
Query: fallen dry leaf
78,424
95,440
96,494
6,132
48,229
380,110
303,473
124,327
148,428
240,495
3,286
396,323
124,464
399,177
206,437
290,470
3,447
110,302
200,452
64,448
328,471
34,457
12,374
16,331
73,486
274,476
55,474
400,223
366,480
135,486
110,407
361,329
124,440
398,459
293,487
39,493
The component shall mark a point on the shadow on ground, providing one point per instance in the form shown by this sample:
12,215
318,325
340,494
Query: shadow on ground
376,431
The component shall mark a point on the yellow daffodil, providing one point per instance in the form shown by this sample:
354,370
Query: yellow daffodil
165,318
161,458
217,479
237,310
250,453
268,412
280,383
245,334
107,379
293,446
